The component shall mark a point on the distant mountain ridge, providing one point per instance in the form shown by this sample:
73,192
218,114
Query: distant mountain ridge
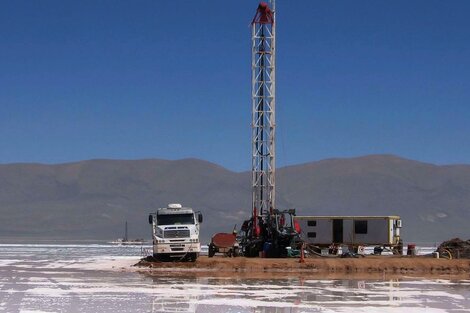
92,199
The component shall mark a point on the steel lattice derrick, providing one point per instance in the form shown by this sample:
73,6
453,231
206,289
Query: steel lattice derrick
263,111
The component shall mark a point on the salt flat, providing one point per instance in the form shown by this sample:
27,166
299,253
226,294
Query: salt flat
100,278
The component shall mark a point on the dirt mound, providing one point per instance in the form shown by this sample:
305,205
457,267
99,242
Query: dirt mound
455,248
369,266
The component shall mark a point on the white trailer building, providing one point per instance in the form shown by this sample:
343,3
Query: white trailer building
324,231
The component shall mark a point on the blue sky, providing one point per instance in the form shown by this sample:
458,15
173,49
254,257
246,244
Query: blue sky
171,79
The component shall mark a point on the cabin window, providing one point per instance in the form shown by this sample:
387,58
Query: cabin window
360,227
311,223
175,219
312,234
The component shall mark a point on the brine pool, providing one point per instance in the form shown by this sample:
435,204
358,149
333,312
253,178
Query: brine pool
99,278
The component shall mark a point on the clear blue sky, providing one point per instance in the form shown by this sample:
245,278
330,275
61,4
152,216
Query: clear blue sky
171,79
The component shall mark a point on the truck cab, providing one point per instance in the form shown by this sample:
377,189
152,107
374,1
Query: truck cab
175,233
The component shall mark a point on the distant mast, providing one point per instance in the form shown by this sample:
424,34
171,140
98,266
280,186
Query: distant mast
125,234
263,113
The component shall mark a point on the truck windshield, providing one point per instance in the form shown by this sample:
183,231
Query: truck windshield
175,219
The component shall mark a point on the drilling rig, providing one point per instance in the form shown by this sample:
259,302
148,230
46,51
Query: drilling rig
269,231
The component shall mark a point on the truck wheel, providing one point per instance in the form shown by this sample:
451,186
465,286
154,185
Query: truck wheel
160,258
211,251
236,252
192,257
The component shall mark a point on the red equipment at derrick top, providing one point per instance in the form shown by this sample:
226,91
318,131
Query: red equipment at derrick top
263,15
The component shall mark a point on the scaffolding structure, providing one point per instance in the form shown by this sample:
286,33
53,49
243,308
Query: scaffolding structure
263,112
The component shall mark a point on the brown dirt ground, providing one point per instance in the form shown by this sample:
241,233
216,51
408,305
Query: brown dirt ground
369,267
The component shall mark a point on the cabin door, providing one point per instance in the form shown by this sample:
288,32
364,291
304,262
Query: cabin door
337,231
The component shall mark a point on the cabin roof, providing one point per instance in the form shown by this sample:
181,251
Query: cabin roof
167,211
346,217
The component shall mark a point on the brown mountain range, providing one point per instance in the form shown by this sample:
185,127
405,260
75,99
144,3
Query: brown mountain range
92,199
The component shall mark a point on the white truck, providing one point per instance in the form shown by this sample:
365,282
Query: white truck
175,233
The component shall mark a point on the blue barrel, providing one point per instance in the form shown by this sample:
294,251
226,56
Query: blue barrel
266,248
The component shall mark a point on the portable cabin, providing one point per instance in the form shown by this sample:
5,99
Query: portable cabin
350,230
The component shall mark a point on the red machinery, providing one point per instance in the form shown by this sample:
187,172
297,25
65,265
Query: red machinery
225,243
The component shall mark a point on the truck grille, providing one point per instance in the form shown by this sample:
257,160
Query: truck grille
176,233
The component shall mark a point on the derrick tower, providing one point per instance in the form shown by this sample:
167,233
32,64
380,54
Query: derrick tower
263,112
